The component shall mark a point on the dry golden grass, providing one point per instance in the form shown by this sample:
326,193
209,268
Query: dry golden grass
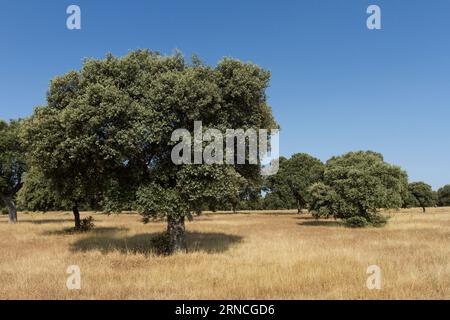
240,256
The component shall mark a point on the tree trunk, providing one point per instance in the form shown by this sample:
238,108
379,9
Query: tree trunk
234,207
424,209
76,214
12,211
299,207
177,234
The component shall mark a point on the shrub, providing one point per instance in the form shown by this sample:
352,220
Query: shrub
87,224
161,243
356,222
4,211
378,220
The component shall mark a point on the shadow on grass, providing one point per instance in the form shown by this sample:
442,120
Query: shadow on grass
96,231
321,223
303,217
45,221
37,221
143,244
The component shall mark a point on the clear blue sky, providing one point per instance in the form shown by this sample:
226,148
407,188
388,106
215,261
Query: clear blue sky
336,86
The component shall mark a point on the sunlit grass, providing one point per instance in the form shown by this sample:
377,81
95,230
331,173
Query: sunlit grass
235,256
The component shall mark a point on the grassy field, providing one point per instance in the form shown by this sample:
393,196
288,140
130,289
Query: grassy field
235,256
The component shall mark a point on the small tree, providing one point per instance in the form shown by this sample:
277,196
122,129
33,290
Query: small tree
423,194
294,178
76,141
12,166
357,184
444,196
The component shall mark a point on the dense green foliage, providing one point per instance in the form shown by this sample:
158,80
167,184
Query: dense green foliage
357,184
444,196
294,177
410,201
374,220
12,165
356,222
37,194
230,95
106,131
272,201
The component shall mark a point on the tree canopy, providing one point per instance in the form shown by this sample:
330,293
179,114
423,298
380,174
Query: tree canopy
37,194
357,184
111,124
422,194
444,196
294,178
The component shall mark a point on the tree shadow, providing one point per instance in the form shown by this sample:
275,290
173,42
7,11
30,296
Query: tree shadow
36,221
321,223
211,242
45,221
96,231
303,217
144,244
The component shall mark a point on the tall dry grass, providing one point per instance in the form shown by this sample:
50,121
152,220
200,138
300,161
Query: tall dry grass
240,256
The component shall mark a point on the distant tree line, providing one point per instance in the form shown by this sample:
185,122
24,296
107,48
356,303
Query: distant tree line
358,182
354,184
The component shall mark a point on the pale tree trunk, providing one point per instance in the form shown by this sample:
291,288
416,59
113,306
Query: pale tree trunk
76,215
12,211
177,234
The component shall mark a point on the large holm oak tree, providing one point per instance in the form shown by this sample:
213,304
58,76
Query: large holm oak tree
229,96
12,166
111,124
